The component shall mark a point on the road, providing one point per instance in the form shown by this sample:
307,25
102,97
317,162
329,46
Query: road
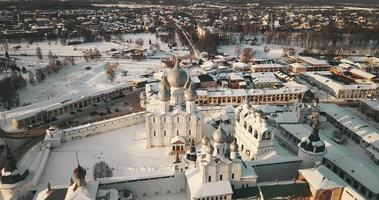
194,49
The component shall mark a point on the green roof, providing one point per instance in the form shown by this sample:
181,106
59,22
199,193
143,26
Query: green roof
205,78
244,193
289,190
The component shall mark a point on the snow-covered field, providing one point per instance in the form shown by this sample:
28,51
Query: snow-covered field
274,51
75,79
123,149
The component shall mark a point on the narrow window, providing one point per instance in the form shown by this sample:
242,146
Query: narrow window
209,179
221,177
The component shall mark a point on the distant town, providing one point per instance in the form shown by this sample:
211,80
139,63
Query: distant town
189,100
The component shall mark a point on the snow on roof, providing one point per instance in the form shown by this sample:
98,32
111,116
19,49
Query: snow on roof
270,65
276,160
374,104
322,178
27,111
362,74
210,189
361,171
299,131
287,117
352,122
289,88
297,65
312,61
336,86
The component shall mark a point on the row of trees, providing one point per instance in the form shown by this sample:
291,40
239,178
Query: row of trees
325,41
8,89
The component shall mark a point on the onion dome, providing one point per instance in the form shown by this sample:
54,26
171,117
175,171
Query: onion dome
219,136
164,92
308,96
229,139
190,92
79,172
209,149
205,140
313,143
177,77
234,146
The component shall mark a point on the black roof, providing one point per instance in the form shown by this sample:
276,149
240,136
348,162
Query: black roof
205,78
293,190
57,194
244,193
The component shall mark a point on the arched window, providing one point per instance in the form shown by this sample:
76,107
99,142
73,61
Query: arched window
245,124
209,179
164,133
238,117
220,177
177,132
189,132
250,129
256,134
154,133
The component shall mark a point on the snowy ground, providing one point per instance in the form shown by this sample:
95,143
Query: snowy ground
275,52
178,196
123,149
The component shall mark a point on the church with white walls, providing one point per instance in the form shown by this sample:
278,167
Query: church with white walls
174,119
253,132
215,170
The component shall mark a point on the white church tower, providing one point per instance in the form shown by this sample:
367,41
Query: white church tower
174,116
312,148
252,131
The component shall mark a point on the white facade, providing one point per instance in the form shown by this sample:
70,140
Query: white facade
216,173
176,114
252,131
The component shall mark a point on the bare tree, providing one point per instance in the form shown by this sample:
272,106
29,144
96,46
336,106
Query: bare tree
247,55
139,42
102,170
110,69
39,53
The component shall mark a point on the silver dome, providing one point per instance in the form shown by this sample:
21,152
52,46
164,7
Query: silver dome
205,140
164,92
190,92
209,149
177,77
219,136
234,146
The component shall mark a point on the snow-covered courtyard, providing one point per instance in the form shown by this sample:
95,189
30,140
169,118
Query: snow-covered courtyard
123,150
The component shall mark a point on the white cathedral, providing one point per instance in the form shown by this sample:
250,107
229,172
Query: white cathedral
175,119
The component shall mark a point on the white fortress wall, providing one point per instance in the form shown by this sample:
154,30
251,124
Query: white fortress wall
101,126
148,187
